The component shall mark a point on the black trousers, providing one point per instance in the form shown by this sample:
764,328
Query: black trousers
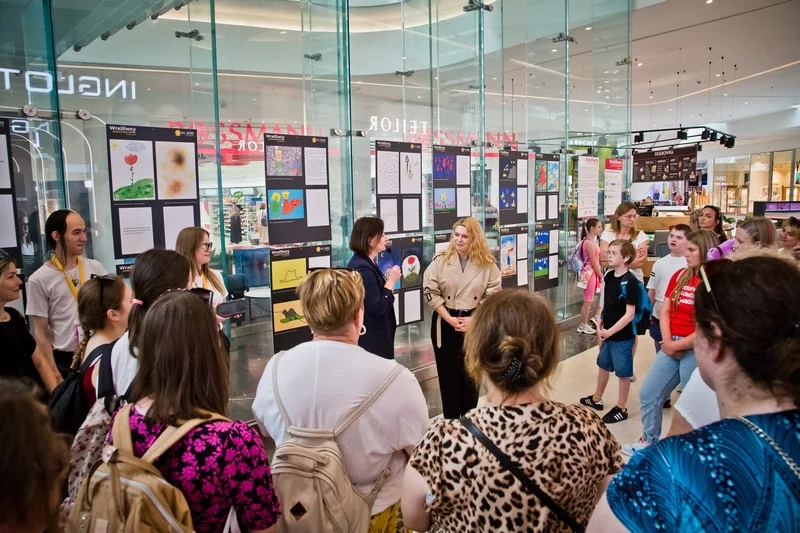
459,393
63,361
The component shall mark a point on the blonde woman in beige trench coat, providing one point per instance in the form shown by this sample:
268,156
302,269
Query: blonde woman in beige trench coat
456,282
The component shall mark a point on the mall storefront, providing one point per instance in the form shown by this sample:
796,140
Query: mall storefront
547,76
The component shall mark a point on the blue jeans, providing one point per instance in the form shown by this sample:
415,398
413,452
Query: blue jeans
655,333
664,375
617,357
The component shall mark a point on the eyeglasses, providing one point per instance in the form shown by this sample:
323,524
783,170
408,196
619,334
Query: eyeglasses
103,279
207,246
205,294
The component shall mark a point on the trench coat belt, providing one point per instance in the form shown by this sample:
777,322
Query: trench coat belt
453,312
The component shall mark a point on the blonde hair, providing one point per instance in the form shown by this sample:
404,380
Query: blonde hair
478,251
616,227
330,299
189,240
761,230
705,239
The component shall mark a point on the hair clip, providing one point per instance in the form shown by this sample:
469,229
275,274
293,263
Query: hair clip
513,371
136,301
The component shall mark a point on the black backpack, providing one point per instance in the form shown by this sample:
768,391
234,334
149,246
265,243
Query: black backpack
68,406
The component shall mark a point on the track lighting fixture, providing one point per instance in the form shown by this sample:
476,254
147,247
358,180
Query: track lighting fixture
704,135
713,137
699,147
730,142
683,135
639,137
723,140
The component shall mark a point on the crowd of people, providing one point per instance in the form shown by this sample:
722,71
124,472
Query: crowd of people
355,448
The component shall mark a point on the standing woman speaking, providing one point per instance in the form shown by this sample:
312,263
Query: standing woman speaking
366,242
457,280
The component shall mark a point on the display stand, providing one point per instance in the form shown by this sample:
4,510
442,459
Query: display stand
514,257
399,186
513,182
9,230
154,186
405,252
452,192
545,256
289,267
298,197
547,169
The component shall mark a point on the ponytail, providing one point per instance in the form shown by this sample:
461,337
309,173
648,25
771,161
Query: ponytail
81,349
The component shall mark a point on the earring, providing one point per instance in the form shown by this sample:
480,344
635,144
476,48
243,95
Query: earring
363,330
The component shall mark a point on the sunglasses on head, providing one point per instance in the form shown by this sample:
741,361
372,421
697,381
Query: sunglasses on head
205,294
106,278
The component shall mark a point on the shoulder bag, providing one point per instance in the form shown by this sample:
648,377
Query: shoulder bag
530,486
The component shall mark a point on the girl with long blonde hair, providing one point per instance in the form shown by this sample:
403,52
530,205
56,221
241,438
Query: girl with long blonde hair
456,282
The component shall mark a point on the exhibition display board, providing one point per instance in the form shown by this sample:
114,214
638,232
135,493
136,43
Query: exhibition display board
547,170
452,194
9,234
545,256
513,199
154,186
612,194
514,257
405,252
441,242
588,184
398,175
675,164
297,188
289,267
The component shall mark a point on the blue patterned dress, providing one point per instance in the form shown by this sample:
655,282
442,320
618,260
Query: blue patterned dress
719,478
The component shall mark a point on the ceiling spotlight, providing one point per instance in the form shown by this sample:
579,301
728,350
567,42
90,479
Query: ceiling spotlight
730,142
554,50
587,28
639,137
683,135
723,140
709,1
699,147
638,64
704,135
713,137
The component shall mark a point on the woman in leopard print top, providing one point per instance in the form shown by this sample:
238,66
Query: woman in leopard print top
454,484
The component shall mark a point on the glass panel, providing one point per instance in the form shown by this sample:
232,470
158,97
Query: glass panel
759,179
731,176
781,176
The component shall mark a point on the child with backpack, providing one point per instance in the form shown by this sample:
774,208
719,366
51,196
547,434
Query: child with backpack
590,275
618,327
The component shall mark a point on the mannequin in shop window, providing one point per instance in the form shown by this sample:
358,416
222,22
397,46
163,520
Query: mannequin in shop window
236,224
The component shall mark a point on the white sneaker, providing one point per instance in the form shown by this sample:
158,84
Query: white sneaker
586,329
631,449
593,322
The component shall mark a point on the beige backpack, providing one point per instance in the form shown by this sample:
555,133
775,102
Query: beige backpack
125,494
310,479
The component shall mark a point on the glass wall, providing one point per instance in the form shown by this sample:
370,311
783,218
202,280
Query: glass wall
554,74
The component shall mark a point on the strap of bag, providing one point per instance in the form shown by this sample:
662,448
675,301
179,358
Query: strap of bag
173,434
769,440
516,471
284,415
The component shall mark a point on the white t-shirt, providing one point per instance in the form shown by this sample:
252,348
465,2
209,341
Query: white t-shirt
659,278
698,402
219,297
123,365
321,382
50,297
610,235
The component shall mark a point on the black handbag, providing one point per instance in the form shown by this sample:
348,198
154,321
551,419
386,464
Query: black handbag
68,406
530,486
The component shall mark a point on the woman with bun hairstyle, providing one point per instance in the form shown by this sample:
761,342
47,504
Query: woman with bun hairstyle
453,483
456,283
790,236
740,473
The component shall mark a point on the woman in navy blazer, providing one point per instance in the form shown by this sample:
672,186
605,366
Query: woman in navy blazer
367,241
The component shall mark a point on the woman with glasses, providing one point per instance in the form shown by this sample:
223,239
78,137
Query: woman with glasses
195,245
184,375
741,473
623,226
675,361
104,303
366,242
321,382
20,356
155,273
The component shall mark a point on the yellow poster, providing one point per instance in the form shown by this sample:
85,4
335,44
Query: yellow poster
288,274
287,315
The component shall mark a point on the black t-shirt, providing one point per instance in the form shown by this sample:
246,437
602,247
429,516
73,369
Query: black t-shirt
614,306
18,347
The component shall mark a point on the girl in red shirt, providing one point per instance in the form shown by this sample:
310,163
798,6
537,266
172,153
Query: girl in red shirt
675,362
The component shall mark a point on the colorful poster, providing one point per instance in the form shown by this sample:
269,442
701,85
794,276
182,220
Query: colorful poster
541,175
406,253
154,186
298,197
545,252
513,209
508,255
444,200
514,257
452,193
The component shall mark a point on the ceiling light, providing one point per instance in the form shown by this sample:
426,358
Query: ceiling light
718,75
554,50
149,89
731,142
709,1
606,72
705,134
419,96
255,99
670,109
683,135
723,140
587,28
746,103
607,81
639,137
197,83
284,32
651,96
494,78
638,64
713,137
726,94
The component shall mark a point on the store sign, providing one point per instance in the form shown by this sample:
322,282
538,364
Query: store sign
675,164
416,131
90,86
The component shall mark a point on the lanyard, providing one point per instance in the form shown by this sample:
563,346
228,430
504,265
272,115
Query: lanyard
70,282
